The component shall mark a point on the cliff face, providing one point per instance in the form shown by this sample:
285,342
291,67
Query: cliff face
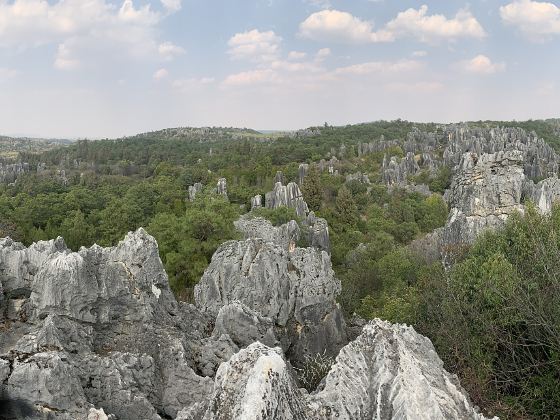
98,334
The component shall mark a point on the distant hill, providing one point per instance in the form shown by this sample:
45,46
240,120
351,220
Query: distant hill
10,147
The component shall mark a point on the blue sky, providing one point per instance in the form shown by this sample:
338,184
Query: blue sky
106,68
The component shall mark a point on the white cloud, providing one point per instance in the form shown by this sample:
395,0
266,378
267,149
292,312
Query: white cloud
429,28
323,4
83,31
338,26
64,60
296,55
322,54
255,45
252,77
420,53
168,50
142,16
536,19
172,5
161,74
334,25
377,67
482,64
415,87
192,83
6,74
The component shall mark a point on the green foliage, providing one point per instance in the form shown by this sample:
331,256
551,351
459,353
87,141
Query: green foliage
312,189
495,318
187,241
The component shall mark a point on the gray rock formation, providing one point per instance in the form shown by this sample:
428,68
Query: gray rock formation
279,177
99,328
287,196
256,202
540,160
194,190
102,337
10,172
359,177
296,290
286,235
302,172
317,232
388,372
396,172
486,190
256,384
221,188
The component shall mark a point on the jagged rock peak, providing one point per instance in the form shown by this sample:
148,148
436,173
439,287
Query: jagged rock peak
296,290
256,202
221,187
97,328
285,235
287,196
194,190
391,372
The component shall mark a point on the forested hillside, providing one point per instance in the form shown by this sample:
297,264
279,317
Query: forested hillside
491,314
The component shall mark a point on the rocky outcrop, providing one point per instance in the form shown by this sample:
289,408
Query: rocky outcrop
102,337
287,196
362,178
388,372
302,172
539,159
194,190
296,290
10,172
286,235
256,384
397,171
221,187
97,328
256,202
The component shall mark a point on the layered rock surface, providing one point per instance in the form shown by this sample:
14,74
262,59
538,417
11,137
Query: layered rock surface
99,335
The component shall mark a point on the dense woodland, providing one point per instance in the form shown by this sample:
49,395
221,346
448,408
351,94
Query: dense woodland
493,317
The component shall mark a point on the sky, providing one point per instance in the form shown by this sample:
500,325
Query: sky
108,68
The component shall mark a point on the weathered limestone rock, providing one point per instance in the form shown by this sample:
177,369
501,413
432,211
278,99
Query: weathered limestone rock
285,235
279,177
256,384
101,328
317,232
194,190
10,172
19,265
395,171
390,372
48,381
296,290
244,326
287,196
221,188
359,177
544,194
256,202
540,160
302,172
